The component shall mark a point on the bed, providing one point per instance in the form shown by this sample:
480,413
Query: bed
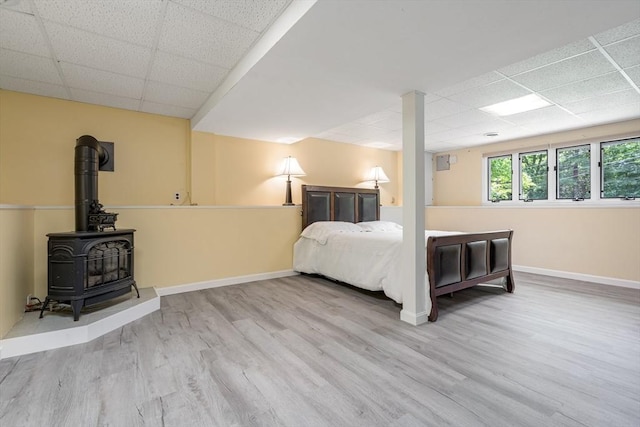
344,240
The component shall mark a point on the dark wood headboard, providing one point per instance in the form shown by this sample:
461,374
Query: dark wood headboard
339,204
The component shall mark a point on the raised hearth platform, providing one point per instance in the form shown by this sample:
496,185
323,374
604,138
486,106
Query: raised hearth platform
57,328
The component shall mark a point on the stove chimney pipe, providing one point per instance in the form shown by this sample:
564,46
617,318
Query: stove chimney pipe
89,155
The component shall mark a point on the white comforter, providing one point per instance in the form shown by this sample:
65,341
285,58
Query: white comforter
368,260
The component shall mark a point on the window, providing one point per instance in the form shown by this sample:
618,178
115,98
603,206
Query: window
573,169
566,173
500,177
620,169
534,176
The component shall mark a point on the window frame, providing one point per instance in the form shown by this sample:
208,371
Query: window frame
521,181
488,180
600,164
552,177
557,172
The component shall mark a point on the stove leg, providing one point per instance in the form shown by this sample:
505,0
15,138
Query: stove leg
136,288
76,306
44,306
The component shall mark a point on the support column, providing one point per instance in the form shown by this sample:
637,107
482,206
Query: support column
414,295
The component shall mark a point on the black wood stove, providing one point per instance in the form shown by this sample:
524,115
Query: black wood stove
91,264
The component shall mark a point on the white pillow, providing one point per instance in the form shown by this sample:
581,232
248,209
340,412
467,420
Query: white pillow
320,230
379,226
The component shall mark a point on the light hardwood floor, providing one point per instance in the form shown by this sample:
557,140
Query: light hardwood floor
302,351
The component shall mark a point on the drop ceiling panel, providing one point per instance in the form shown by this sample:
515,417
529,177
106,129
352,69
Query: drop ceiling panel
255,15
472,141
34,87
195,35
29,67
98,52
20,32
362,131
168,68
167,110
108,100
434,127
328,135
449,135
382,116
489,125
618,113
558,125
547,58
469,117
443,107
393,137
381,145
608,101
607,83
502,90
543,116
174,95
80,77
618,33
571,70
625,53
129,20
634,74
388,120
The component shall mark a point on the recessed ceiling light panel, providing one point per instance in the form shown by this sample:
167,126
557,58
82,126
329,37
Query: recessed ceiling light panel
517,105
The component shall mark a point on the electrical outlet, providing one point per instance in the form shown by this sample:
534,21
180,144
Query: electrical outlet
177,196
29,299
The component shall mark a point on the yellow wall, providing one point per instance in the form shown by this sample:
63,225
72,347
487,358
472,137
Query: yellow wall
231,171
37,140
203,171
594,241
347,165
244,172
181,245
16,263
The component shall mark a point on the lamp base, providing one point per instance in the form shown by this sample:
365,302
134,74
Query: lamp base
287,200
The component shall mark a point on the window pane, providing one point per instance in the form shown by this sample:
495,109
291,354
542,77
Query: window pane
620,171
534,169
574,172
500,172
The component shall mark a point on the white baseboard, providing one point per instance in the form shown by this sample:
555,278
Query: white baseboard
190,287
36,342
579,276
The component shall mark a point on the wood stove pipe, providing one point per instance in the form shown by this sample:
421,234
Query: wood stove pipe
89,155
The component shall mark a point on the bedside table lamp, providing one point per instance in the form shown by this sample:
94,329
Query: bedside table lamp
290,168
377,175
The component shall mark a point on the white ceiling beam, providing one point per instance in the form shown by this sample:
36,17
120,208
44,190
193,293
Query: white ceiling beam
274,33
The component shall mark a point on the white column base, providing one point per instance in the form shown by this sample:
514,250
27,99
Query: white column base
414,319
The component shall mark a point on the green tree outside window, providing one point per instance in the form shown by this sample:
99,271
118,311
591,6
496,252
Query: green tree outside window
620,169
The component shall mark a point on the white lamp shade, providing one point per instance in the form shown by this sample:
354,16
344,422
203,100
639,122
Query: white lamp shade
377,174
291,167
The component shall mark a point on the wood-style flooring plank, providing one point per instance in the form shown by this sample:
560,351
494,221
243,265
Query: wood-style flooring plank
305,351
